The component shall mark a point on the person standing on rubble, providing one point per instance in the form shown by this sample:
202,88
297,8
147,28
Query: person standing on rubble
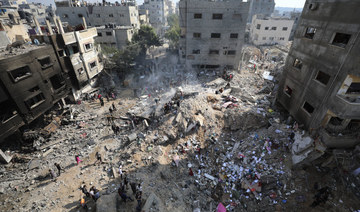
58,167
113,106
110,110
101,102
133,187
123,195
98,158
52,174
77,158
120,171
138,199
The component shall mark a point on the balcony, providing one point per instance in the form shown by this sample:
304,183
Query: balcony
347,106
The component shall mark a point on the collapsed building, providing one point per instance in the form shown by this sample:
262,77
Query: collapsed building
38,74
321,79
215,47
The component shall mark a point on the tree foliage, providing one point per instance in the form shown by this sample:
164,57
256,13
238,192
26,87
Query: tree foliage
173,34
146,37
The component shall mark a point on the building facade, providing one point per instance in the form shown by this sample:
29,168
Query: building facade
269,31
98,15
31,82
320,86
212,33
264,7
158,11
116,37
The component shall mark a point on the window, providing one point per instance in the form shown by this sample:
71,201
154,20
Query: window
65,16
336,121
217,16
97,15
231,52
212,51
45,62
197,15
20,73
88,46
108,33
273,28
266,28
271,38
310,32
7,111
92,64
35,101
111,15
297,64
233,35
197,35
258,26
322,77
354,88
341,39
99,34
80,71
288,90
34,89
282,38
80,15
308,108
57,81
284,28
264,38
215,35
196,51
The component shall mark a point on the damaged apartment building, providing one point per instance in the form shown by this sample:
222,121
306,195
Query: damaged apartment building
321,79
35,75
115,23
212,33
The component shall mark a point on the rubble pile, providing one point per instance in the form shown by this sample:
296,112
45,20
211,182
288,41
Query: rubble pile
197,142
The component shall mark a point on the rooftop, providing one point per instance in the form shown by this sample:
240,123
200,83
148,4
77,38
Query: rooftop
18,49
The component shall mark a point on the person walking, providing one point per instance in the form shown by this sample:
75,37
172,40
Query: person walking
84,190
77,158
120,171
123,195
58,168
113,107
133,187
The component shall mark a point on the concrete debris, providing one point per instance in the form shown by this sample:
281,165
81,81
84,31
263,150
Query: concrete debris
4,158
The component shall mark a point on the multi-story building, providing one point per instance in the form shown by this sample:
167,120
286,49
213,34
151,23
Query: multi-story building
212,33
116,22
114,36
98,15
264,7
269,31
144,16
38,11
294,16
31,82
170,7
158,11
320,86
12,3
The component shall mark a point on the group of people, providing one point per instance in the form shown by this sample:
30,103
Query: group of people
94,193
170,105
136,189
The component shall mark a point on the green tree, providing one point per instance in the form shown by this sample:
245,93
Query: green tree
173,34
145,37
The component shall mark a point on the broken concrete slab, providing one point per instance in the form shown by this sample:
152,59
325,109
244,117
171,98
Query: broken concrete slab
153,203
47,152
107,203
4,158
34,164
132,137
